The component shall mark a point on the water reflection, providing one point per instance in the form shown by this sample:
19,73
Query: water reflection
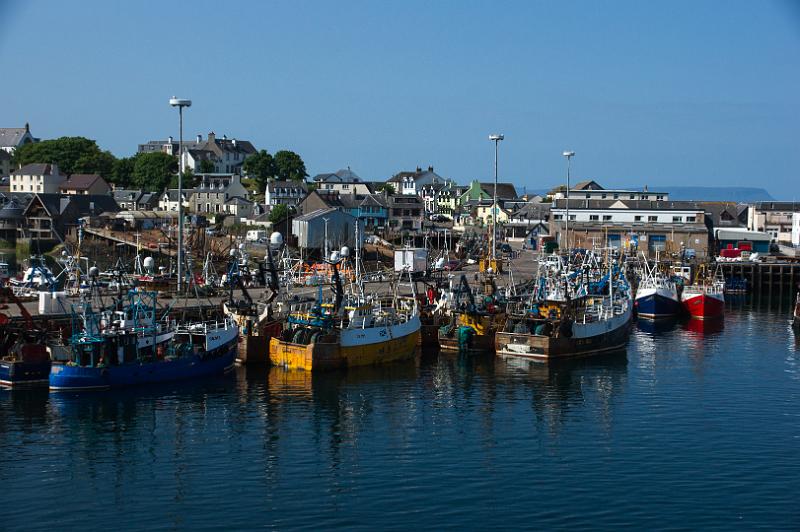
658,326
558,388
706,328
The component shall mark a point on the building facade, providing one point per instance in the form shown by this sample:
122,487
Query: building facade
37,178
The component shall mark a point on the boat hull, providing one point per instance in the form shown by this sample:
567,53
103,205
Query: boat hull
328,352
657,304
704,306
69,377
604,338
21,373
481,337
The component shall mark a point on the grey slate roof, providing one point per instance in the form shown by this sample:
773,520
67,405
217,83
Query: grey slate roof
35,169
345,175
504,190
11,136
81,181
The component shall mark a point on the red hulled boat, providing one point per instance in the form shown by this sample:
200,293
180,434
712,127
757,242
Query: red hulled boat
705,298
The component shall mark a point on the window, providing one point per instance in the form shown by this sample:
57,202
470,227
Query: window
572,217
604,196
606,217
637,218
677,219
558,217
691,219
632,196
659,198
594,217
652,218
616,196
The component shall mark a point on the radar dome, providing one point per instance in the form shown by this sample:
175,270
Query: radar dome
94,271
276,239
148,263
232,253
334,256
345,251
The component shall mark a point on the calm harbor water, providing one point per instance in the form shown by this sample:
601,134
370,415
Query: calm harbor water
695,426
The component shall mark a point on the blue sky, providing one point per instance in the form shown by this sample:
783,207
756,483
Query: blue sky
646,93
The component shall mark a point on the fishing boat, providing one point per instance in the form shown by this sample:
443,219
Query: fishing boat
24,360
705,297
349,331
37,277
255,319
128,345
657,294
473,321
589,324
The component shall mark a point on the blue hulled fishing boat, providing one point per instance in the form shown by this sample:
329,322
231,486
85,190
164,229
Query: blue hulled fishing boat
657,295
129,346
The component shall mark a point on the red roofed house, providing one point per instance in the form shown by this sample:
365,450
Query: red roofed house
85,184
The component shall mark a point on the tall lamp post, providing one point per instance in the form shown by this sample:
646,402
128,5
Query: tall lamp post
180,103
569,155
496,138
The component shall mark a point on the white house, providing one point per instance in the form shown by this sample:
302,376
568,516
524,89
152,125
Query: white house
226,155
411,183
284,192
37,177
344,181
169,199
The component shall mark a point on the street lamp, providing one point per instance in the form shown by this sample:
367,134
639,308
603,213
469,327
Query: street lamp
180,103
496,138
569,155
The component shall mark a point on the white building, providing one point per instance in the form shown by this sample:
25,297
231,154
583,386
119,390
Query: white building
169,199
592,190
411,183
12,138
284,192
37,177
225,155
796,229
773,217
344,181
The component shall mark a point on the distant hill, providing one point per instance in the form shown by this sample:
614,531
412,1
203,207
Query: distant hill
737,194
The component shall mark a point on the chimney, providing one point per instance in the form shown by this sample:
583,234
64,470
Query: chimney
199,139
419,169
233,142
170,140
430,169
211,136
224,137
27,128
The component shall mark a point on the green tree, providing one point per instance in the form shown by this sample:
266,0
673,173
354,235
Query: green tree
207,167
261,167
101,163
278,213
122,173
289,166
154,171
385,187
189,179
71,154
